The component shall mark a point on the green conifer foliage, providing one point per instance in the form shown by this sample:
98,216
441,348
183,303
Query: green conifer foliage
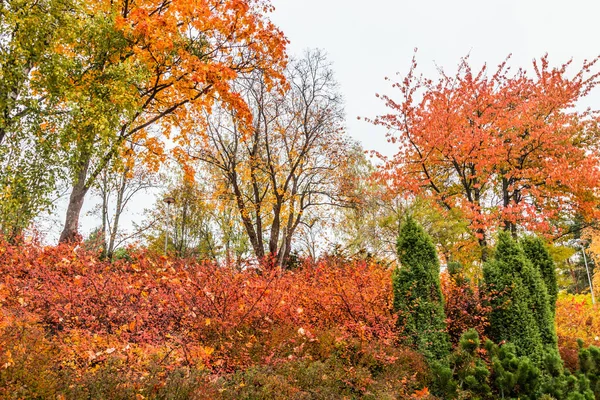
538,254
514,377
466,376
589,366
417,294
509,277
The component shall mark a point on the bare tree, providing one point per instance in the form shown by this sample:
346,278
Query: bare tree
293,158
117,186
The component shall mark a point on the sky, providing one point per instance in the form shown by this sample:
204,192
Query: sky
369,40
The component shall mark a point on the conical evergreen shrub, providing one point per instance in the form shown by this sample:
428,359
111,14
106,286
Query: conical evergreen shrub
417,294
515,290
541,303
538,254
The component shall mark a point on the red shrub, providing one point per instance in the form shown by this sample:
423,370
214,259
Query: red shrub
237,318
465,307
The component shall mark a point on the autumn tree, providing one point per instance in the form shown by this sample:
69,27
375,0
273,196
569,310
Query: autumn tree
139,67
29,164
505,149
124,178
199,224
292,159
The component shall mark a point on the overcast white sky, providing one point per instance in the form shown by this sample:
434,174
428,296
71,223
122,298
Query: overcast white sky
369,40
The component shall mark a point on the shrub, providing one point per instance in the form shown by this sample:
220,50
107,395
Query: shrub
520,309
576,318
417,294
467,374
466,306
164,328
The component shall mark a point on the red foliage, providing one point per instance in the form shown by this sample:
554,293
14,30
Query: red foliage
244,317
465,307
504,148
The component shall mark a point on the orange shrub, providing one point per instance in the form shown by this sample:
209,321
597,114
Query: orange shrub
576,318
229,319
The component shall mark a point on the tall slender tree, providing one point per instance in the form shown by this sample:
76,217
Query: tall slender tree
417,292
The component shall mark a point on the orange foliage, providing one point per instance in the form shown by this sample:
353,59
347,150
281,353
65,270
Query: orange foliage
503,148
219,317
576,318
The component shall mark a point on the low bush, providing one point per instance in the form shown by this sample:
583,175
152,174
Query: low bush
576,318
73,327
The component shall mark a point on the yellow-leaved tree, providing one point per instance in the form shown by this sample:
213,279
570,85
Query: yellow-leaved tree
136,68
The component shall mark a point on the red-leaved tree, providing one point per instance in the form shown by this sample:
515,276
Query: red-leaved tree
506,149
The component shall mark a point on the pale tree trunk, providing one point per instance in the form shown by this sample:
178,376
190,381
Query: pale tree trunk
118,211
70,232
105,195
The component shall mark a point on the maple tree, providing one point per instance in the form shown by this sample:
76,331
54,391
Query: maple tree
137,68
504,149
292,158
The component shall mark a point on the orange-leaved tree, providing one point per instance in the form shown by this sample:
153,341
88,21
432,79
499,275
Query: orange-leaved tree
506,149
137,67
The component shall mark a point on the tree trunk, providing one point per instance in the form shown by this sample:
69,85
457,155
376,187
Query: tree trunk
118,212
70,231
275,229
483,244
255,235
105,223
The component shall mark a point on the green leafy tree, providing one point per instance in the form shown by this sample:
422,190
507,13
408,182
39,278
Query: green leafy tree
29,162
417,294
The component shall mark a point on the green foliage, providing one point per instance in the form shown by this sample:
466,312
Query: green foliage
540,307
521,311
417,294
498,372
537,252
30,171
513,376
589,366
29,161
559,383
466,375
